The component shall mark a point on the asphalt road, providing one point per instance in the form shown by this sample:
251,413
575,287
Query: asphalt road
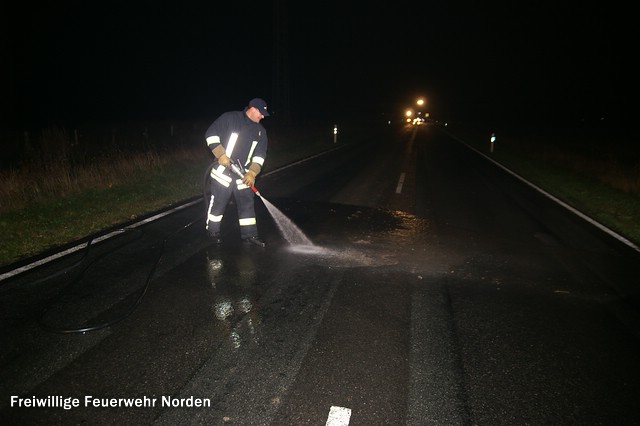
439,290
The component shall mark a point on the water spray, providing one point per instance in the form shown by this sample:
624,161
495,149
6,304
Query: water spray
291,232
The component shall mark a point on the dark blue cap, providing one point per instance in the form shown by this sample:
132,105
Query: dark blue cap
260,104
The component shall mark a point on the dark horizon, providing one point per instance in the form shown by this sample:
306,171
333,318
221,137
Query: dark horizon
72,62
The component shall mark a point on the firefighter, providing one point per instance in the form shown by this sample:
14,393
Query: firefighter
237,136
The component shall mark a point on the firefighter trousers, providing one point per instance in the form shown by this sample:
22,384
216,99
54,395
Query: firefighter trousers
244,198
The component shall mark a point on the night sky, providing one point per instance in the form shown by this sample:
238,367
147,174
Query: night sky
518,62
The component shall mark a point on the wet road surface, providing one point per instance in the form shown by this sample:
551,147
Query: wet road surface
439,290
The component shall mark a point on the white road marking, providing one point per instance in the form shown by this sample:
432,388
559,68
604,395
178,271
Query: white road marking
400,182
338,416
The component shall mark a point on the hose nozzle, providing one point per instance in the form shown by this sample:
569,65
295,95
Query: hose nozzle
237,168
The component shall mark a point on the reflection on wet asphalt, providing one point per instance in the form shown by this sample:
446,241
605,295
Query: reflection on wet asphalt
203,301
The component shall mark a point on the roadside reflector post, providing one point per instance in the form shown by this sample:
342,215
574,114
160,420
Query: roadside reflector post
492,141
335,133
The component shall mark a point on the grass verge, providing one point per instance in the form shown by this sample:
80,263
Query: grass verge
43,225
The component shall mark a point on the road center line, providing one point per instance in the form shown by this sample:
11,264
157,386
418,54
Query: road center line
338,416
400,182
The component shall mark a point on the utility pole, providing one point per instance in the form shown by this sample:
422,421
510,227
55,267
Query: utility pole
281,93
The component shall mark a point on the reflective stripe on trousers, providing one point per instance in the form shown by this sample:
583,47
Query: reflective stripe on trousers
220,197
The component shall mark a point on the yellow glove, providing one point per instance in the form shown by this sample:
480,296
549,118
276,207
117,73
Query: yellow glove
250,178
223,160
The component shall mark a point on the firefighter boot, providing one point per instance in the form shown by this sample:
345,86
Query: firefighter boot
214,237
256,241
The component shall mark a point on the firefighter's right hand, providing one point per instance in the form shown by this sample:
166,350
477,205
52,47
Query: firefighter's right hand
224,160
249,179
